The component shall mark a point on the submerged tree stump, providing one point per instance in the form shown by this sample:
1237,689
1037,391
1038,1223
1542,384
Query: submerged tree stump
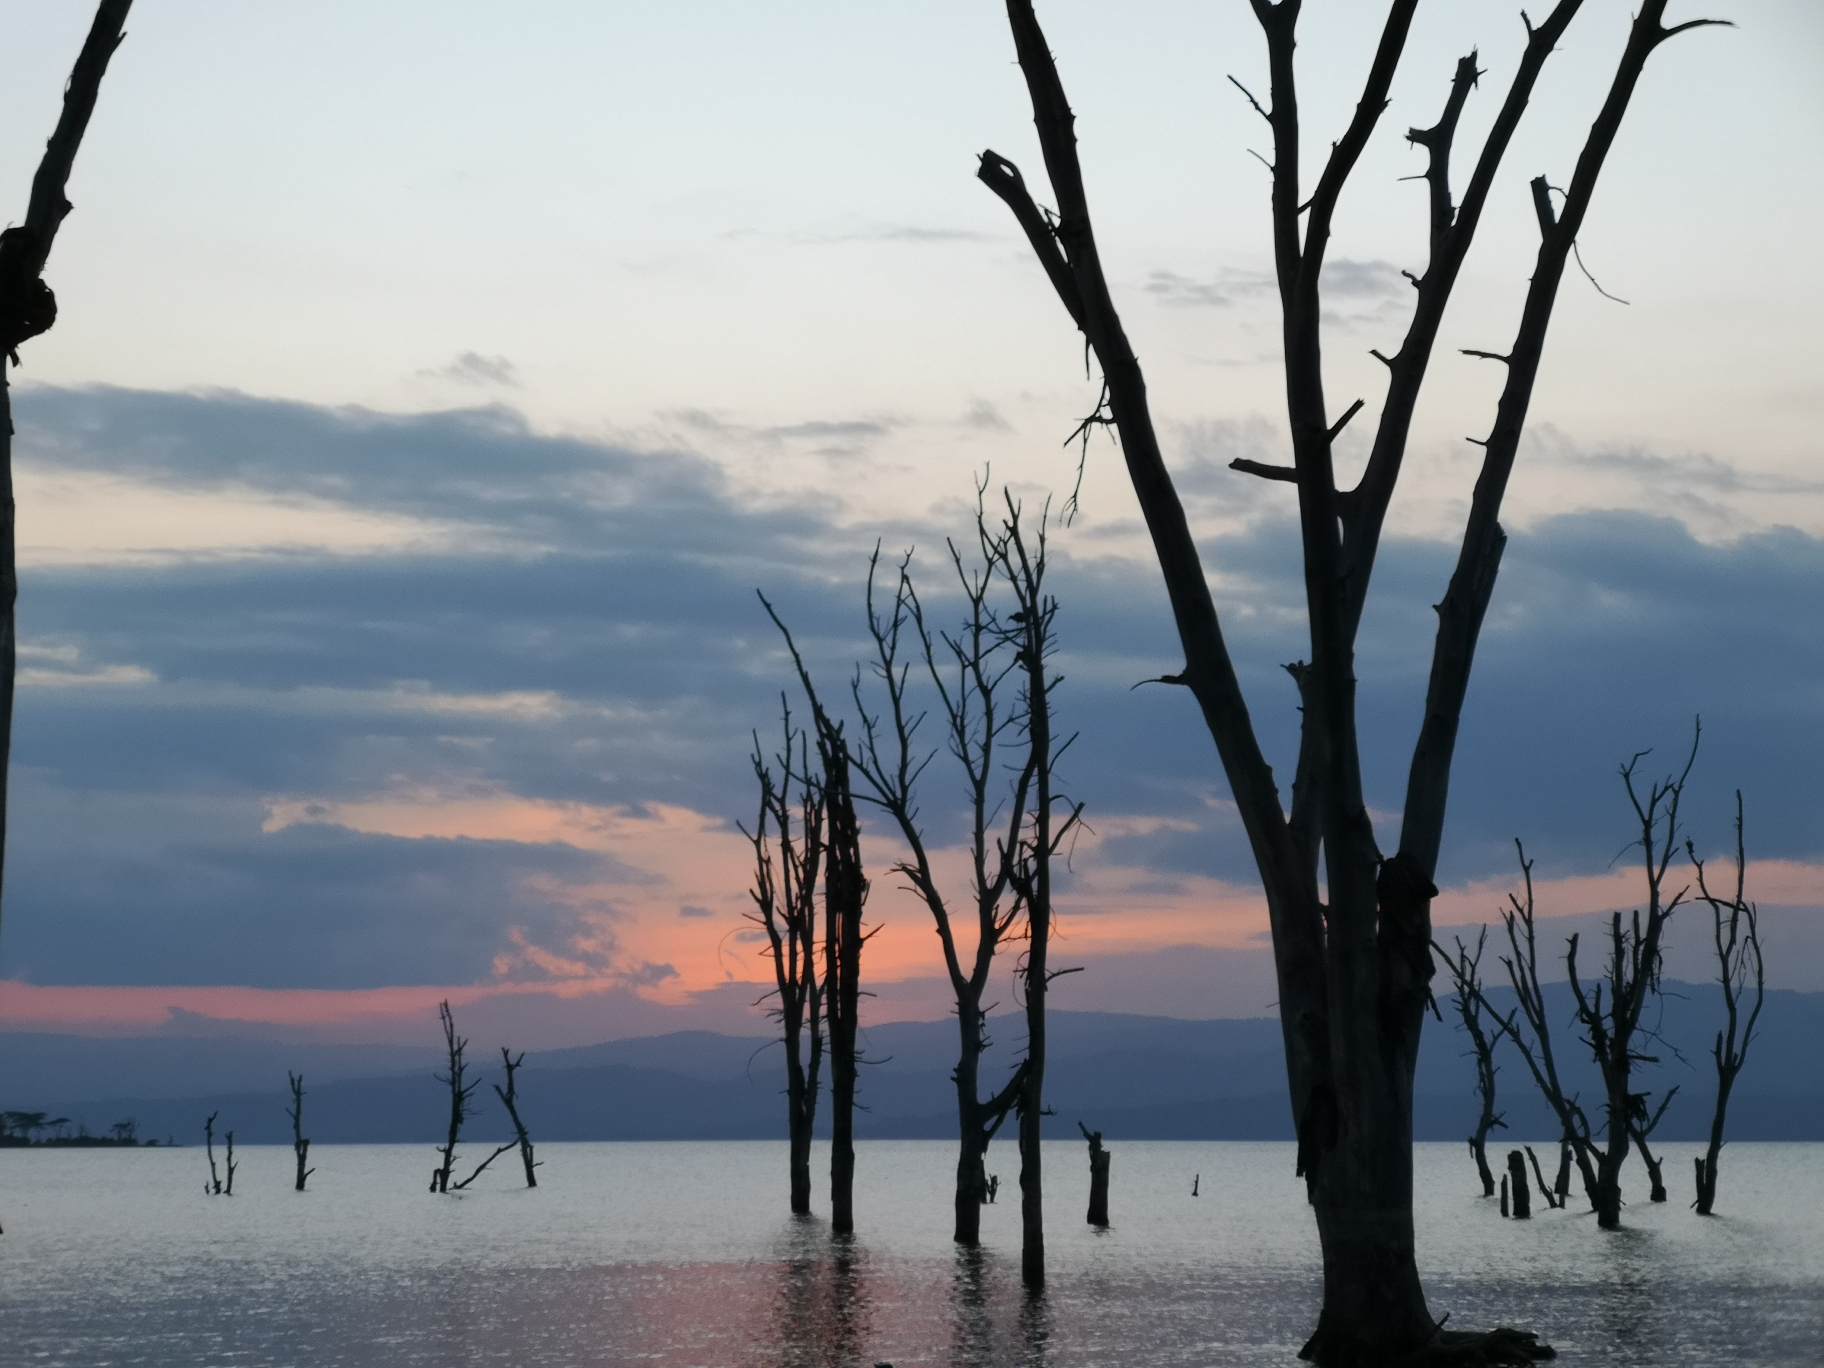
1516,1172
1098,1176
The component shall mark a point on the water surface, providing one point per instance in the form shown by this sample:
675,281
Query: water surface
681,1255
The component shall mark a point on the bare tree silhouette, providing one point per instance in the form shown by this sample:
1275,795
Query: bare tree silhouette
462,1091
300,1146
509,1098
845,896
1736,933
1352,950
788,861
1465,973
1613,1031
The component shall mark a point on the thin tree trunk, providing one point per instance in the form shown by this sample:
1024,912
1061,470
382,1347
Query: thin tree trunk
845,893
28,308
1098,1176
509,1098
300,1145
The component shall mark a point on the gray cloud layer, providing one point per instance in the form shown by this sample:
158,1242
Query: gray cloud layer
622,582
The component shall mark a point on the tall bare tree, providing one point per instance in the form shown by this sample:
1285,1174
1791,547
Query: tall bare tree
845,896
1352,947
1030,628
788,860
968,670
28,308
1736,932
300,1143
1535,1042
1614,1030
1465,972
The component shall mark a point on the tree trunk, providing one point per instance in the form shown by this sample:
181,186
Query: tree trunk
1658,1189
1098,1176
28,308
1478,1150
972,1142
845,893
300,1144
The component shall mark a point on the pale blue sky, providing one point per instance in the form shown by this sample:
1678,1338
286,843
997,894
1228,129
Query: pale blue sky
727,273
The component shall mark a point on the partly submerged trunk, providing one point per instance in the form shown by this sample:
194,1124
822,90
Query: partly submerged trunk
1478,1148
972,1142
801,1112
1031,1108
845,893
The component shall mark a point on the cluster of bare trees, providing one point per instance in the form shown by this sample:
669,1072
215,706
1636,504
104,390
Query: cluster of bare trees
988,680
462,1090
1615,1014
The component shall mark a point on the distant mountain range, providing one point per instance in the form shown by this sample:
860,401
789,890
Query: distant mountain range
1133,1077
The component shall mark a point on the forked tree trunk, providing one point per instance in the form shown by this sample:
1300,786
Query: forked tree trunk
28,308
1352,964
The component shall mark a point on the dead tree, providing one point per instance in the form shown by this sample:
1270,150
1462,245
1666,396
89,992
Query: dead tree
28,308
461,1093
1098,1176
1352,950
1613,1031
845,896
1465,969
300,1146
509,1098
214,1186
1735,929
971,672
1535,1042
229,1164
788,860
1030,630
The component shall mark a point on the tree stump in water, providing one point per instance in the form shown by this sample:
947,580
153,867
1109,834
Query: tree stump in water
1098,1176
1516,1171
1504,1211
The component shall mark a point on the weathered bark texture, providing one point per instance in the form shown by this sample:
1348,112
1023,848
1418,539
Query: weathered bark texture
509,1098
1735,930
300,1145
788,862
28,308
1353,958
1465,974
1612,1028
1098,1176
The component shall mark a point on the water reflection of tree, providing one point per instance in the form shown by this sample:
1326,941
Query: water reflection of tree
981,1335
824,1310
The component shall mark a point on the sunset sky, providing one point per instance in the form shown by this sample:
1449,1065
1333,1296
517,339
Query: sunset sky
435,383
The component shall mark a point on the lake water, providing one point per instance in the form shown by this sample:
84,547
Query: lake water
682,1255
